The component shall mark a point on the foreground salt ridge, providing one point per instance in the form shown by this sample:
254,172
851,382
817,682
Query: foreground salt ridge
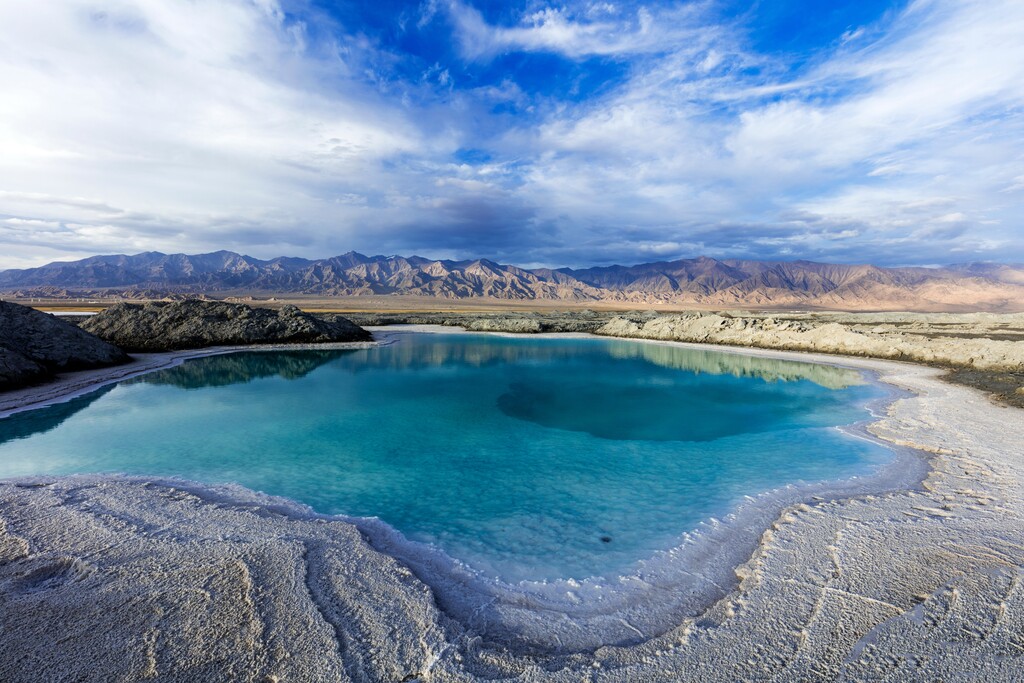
870,587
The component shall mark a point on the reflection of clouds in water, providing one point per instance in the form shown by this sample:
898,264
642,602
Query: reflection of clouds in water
737,365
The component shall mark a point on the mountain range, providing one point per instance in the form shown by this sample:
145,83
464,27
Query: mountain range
704,282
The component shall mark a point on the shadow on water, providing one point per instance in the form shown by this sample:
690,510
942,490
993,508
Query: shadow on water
674,406
589,394
613,410
239,368
32,422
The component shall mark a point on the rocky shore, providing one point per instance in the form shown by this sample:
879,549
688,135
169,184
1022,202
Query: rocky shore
979,341
39,348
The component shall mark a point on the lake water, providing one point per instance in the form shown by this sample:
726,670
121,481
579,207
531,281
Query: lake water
524,457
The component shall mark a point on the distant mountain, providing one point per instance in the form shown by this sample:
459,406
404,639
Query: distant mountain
1002,272
703,281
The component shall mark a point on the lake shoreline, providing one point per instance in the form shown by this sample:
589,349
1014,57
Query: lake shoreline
925,421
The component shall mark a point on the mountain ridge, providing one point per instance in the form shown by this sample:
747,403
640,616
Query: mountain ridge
701,281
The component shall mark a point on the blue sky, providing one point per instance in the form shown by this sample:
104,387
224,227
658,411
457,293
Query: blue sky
535,133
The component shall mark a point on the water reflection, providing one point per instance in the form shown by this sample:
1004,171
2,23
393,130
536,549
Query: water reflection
411,354
199,373
614,412
738,365
239,368
421,351
31,422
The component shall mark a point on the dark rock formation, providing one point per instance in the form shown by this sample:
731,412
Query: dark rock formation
168,326
35,345
16,370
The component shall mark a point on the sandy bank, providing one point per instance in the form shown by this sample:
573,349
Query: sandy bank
189,583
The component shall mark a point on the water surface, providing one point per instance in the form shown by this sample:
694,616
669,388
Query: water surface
526,458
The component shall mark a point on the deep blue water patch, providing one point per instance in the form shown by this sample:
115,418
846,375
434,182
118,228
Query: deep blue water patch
526,458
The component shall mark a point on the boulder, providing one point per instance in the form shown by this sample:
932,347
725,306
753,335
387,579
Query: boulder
35,345
192,324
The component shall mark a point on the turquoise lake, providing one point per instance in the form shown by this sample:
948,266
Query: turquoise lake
524,457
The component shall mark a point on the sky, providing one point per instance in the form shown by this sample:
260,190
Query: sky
527,132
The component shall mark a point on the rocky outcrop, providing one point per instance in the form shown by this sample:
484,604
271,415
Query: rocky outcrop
170,326
35,345
822,336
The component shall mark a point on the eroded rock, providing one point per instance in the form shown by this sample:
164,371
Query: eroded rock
170,326
35,345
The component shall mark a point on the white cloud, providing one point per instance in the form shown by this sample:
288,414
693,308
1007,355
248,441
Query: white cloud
931,109
598,29
174,125
200,115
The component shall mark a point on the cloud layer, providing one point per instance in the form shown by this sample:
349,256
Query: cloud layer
566,134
